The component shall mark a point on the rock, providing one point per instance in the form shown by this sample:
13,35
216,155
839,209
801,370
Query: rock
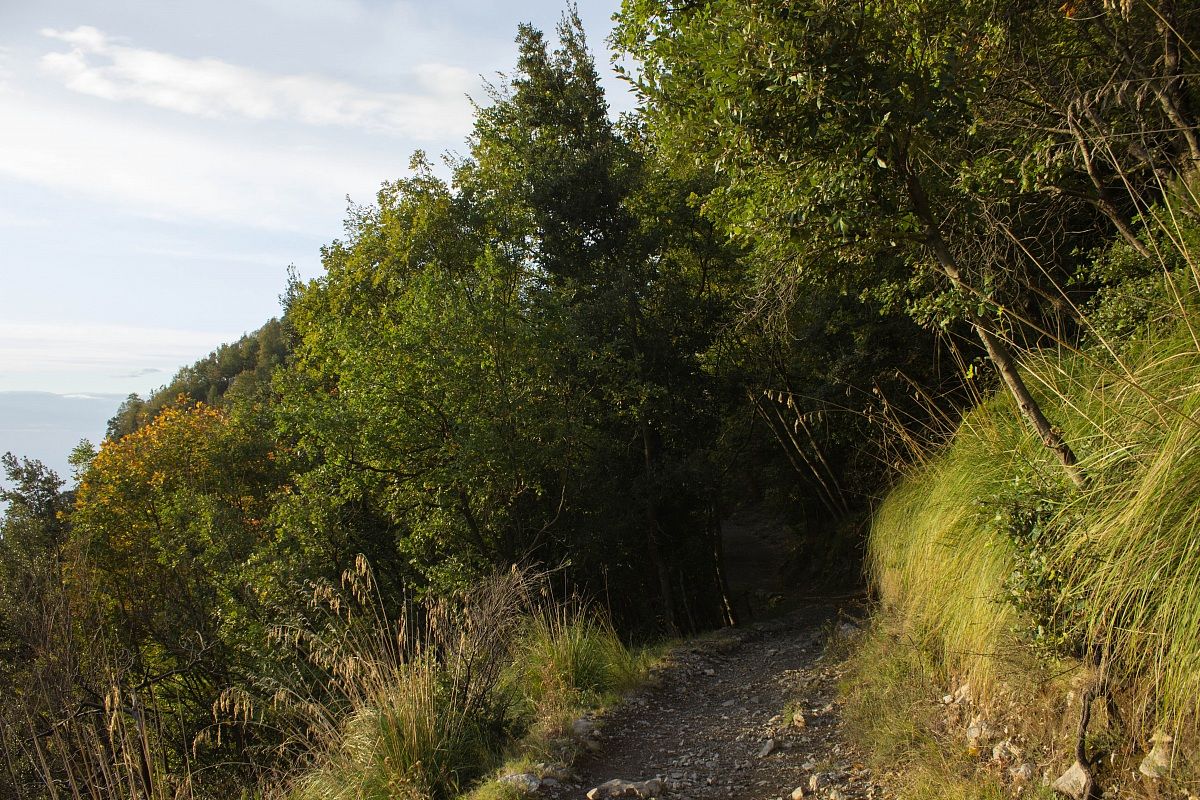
836,794
1021,774
558,772
816,781
808,766
727,704
523,782
1157,762
978,732
592,745
621,788
583,728
797,793
1005,752
767,748
1074,782
710,672
651,788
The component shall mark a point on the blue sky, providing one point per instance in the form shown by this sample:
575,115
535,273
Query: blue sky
163,163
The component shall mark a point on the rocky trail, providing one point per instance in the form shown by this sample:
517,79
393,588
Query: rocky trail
751,713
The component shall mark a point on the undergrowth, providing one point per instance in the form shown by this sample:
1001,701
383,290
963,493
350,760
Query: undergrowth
893,712
990,567
427,706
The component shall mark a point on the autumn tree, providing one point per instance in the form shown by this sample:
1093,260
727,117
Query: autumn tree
169,528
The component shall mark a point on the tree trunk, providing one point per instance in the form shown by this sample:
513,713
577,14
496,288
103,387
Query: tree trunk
652,548
718,544
997,350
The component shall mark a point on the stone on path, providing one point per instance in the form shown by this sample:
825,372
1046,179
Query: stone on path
621,788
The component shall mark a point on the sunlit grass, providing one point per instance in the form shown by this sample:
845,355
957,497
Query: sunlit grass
1127,548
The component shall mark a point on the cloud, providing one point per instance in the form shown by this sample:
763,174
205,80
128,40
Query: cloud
131,351
171,174
274,261
6,73
139,373
435,108
12,219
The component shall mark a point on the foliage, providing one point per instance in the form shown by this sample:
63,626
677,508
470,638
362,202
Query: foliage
496,368
243,367
166,524
1108,573
422,705
594,337
1032,523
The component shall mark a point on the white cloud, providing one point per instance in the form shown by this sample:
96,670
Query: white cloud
169,173
434,108
14,219
119,350
6,73
276,262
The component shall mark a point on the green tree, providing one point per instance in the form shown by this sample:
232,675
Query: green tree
637,283
491,371
37,648
846,133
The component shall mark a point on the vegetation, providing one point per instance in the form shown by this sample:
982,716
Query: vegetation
949,246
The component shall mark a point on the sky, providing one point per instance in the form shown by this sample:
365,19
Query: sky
163,164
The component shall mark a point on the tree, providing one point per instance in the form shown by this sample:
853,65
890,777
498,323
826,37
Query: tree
846,136
37,652
631,274
507,369
168,525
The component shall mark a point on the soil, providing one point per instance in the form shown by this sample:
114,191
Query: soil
749,713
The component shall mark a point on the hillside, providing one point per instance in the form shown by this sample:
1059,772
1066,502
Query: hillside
902,294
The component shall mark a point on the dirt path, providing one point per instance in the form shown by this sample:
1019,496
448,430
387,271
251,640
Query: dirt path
720,723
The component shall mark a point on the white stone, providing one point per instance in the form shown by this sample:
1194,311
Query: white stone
1157,762
1073,782
622,788
1021,774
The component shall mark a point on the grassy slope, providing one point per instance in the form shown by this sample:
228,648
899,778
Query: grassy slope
1116,568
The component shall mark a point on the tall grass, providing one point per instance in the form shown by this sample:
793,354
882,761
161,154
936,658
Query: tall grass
1131,558
1124,554
423,706
568,655
934,556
